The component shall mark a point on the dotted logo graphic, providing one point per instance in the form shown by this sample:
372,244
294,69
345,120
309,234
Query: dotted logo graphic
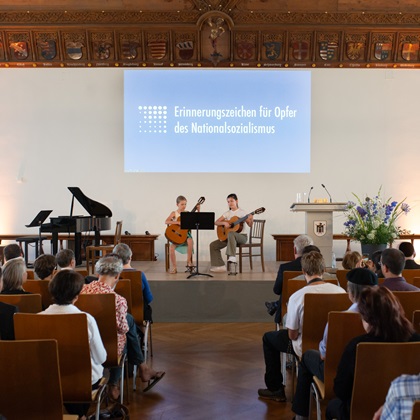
153,119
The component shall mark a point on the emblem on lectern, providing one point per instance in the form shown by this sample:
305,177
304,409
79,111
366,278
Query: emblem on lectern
320,227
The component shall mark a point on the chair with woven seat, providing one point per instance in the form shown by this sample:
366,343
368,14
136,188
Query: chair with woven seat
94,252
26,394
102,308
342,327
256,240
71,333
31,304
374,373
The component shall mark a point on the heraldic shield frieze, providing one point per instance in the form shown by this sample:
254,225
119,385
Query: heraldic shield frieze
245,50
328,50
272,50
19,50
185,50
102,50
355,50
383,50
48,49
129,50
74,50
157,49
300,50
410,51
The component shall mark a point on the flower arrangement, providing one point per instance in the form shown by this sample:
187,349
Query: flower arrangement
373,221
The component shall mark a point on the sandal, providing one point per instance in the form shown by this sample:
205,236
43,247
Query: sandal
153,381
173,270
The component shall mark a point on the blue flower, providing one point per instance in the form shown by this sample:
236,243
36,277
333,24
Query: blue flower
361,211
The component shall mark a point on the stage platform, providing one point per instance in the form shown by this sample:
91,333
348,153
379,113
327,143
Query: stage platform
221,298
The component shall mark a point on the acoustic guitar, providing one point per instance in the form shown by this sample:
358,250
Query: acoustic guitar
175,234
236,224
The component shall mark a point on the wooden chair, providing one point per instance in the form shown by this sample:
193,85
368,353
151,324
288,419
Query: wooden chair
26,303
416,282
341,276
71,333
409,275
31,274
416,321
342,327
410,302
167,259
27,394
256,240
93,253
102,308
315,316
287,275
40,287
416,411
123,288
374,372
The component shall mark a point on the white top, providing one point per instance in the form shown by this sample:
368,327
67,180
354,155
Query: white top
295,309
97,349
239,213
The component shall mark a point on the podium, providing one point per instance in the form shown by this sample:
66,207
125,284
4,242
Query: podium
319,224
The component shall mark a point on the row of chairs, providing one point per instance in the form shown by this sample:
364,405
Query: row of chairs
411,276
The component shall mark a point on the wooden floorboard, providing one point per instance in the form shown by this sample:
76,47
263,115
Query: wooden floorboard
213,371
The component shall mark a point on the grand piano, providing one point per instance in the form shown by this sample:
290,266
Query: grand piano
99,219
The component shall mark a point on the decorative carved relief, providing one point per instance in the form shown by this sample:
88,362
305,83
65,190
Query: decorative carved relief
382,46
102,46
355,47
273,46
408,47
47,46
157,46
75,46
2,47
215,40
129,46
185,46
246,46
19,45
300,46
328,44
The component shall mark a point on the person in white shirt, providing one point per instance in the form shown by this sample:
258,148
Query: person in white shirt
289,340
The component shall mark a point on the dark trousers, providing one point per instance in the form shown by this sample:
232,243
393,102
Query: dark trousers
310,365
274,343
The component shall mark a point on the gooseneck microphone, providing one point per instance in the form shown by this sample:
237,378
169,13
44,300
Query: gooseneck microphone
309,194
325,188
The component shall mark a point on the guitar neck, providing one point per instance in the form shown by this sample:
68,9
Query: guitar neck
242,219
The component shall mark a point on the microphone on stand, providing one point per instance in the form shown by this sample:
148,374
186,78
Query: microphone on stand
309,194
325,188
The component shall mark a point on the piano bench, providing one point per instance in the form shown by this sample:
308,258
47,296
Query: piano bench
30,240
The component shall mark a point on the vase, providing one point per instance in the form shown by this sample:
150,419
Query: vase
369,249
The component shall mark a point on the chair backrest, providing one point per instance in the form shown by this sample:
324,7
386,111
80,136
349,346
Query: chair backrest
410,301
415,415
31,387
296,284
71,333
416,321
377,365
118,232
409,275
341,276
287,275
31,304
102,308
40,287
416,282
123,288
31,274
342,327
315,315
137,303
257,232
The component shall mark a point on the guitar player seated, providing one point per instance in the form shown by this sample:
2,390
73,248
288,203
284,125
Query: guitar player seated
229,236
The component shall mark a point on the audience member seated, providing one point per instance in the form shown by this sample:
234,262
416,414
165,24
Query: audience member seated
14,276
7,330
44,266
109,269
352,259
384,321
65,259
290,339
402,394
12,251
376,260
298,244
392,264
65,288
125,253
312,363
407,249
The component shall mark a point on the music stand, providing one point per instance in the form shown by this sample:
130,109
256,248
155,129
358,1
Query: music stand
197,221
39,219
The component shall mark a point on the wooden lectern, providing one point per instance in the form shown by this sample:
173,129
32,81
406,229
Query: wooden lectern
319,224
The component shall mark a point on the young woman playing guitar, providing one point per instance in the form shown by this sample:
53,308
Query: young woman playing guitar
174,233
236,236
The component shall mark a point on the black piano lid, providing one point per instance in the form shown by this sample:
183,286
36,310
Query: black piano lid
40,218
92,207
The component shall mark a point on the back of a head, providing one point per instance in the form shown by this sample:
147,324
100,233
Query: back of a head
357,280
379,307
64,258
44,265
407,249
310,248
313,263
123,251
13,274
66,286
394,259
301,241
376,259
11,251
351,259
110,265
